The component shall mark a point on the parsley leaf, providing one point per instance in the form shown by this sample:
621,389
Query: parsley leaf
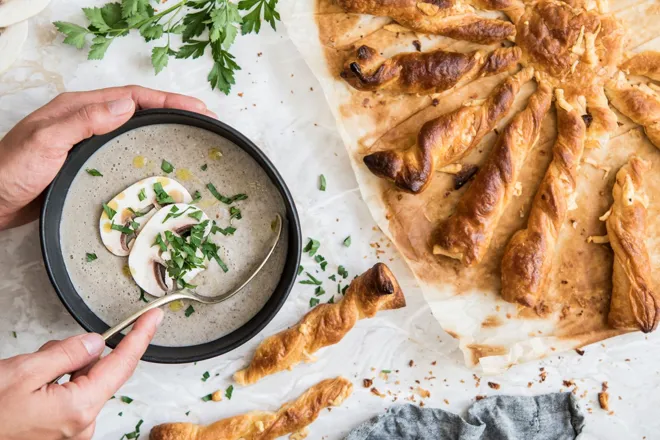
161,196
204,167
189,311
121,228
197,215
313,302
90,257
252,20
109,211
75,35
166,166
224,199
205,376
229,391
160,58
347,241
126,399
319,291
311,247
94,172
235,213
142,195
341,270
207,397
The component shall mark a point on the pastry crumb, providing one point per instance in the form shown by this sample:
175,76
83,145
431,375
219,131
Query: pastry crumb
494,385
367,383
604,398
598,239
216,396
424,394
375,392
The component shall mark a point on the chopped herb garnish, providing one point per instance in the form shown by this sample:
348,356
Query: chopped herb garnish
319,291
319,258
229,230
386,371
313,302
109,211
121,413
187,412
176,213
343,291
159,242
229,391
166,166
189,311
210,250
341,270
235,213
142,297
135,434
135,213
331,300
161,196
313,281
339,288
14,335
126,399
197,197
207,397
300,269
205,376
142,195
323,265
121,228
311,247
94,172
224,199
322,182
347,241
135,225
90,257
197,215
204,167
332,277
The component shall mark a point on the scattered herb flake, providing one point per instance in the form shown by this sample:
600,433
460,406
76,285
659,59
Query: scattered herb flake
121,228
341,270
197,196
323,265
204,167
300,269
121,413
94,172
90,257
332,277
159,242
207,397
319,258
313,302
319,291
142,195
229,230
135,225
14,335
386,371
224,199
331,300
205,377
235,213
322,182
343,291
313,281
347,241
229,391
187,412
311,247
197,215
109,211
166,166
142,297
189,311
161,196
126,399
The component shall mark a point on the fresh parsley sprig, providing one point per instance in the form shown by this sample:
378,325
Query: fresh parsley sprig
200,23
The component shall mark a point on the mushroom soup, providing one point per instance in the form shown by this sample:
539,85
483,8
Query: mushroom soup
156,186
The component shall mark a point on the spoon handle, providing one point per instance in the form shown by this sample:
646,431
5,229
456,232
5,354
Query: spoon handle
134,317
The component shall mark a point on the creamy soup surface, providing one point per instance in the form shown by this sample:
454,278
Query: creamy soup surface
106,285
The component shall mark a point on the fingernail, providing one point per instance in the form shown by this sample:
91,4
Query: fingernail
94,343
121,106
160,317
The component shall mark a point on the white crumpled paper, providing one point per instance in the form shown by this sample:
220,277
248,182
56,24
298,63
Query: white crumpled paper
283,110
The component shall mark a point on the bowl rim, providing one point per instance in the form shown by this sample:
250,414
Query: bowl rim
51,213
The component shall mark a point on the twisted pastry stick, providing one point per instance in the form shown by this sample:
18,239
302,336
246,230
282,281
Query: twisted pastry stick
449,18
376,289
528,256
645,64
292,417
640,103
446,139
466,234
634,305
600,120
424,73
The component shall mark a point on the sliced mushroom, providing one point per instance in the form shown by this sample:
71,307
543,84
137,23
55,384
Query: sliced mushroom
12,39
129,208
148,262
14,11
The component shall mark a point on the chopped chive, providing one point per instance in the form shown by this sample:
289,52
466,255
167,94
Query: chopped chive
109,211
343,291
14,335
319,291
229,391
207,397
227,231
142,195
311,247
187,412
204,167
339,288
197,197
142,297
126,399
94,172
224,199
347,241
137,214
319,258
332,277
159,242
386,371
300,269
323,265
189,311
331,300
235,213
341,270
322,182
313,302
121,228
166,166
161,196
313,281
90,257
197,215
205,376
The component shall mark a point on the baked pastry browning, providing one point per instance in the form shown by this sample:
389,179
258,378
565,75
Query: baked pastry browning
645,64
449,18
376,289
528,256
466,234
639,102
292,417
424,73
446,139
635,305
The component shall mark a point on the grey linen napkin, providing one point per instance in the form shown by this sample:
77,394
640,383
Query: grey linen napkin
546,417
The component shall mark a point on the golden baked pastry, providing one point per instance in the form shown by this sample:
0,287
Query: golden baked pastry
292,417
424,72
466,234
528,256
446,139
645,63
635,305
450,18
376,289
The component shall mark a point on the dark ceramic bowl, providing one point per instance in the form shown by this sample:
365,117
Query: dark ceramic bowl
49,230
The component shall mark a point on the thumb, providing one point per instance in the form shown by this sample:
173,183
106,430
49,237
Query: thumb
61,357
88,120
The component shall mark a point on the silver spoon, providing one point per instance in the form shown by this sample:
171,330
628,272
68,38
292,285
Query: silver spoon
187,294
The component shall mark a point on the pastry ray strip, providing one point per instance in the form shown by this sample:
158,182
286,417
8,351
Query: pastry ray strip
466,234
600,120
292,417
645,64
448,18
634,305
376,289
446,139
639,103
424,72
528,256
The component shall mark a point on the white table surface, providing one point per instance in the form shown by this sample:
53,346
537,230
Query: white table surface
283,111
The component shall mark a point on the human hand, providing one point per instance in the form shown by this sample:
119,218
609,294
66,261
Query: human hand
32,408
33,152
